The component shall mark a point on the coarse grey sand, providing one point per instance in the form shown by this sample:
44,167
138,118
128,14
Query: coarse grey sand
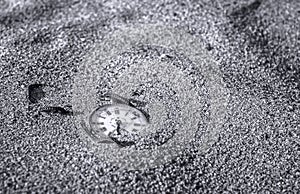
236,112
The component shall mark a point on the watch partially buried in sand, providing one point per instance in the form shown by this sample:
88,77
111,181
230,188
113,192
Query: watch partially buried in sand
121,121
178,81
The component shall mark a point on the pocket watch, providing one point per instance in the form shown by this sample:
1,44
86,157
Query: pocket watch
120,121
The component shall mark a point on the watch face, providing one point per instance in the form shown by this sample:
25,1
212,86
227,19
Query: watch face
117,119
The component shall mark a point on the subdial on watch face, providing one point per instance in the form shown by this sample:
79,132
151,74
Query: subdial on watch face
117,119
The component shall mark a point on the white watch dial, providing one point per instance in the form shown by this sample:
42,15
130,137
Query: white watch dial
111,119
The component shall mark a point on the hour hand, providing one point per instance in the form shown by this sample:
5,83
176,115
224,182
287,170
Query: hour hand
118,127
